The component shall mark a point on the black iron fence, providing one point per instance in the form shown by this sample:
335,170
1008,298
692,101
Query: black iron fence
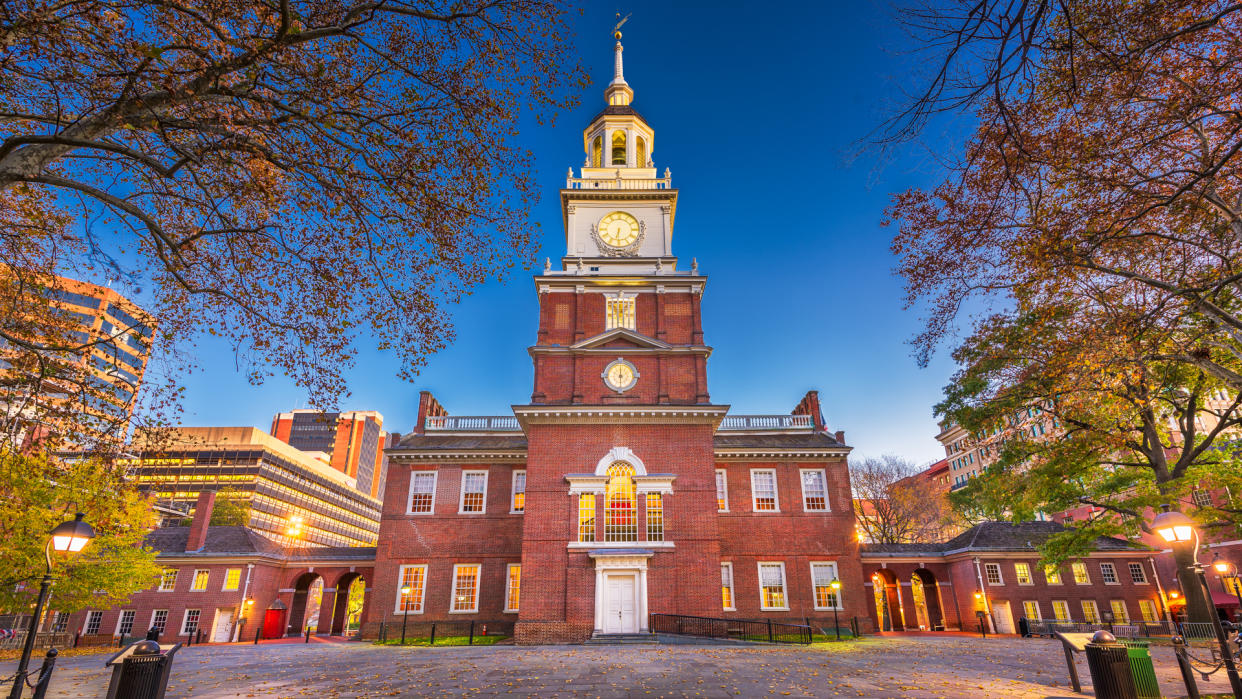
445,632
761,630
1138,629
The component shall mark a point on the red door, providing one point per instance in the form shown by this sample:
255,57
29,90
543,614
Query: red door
274,623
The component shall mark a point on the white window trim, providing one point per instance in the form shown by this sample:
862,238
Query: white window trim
422,594
1000,575
509,587
1069,612
461,495
1039,612
513,492
161,587
784,583
152,622
409,496
776,491
121,617
1094,605
1141,570
185,619
1116,577
802,484
732,587
1030,575
86,621
194,580
836,575
225,585
478,584
1074,574
725,475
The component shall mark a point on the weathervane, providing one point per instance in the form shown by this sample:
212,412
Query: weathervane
616,31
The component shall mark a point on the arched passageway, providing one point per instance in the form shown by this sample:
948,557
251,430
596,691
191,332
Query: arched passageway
926,592
889,616
307,598
347,607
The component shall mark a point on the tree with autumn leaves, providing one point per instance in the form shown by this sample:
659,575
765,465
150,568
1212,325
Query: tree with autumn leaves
1089,242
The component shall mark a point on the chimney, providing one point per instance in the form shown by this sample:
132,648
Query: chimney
428,406
809,405
202,516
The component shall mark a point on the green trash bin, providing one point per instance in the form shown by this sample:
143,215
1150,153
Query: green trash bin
1142,670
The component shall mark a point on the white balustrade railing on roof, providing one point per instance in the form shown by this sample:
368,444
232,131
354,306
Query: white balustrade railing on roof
767,422
472,423
619,183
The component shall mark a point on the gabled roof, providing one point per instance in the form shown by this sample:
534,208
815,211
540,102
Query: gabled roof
620,334
1000,536
454,442
805,440
234,540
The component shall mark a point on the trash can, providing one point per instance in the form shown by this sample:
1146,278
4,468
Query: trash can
1024,627
1109,663
141,671
1142,671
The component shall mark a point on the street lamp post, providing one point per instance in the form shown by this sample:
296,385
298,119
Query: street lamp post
836,604
1179,530
405,612
1228,569
67,537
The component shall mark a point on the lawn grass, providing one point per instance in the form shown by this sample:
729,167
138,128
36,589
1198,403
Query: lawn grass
444,641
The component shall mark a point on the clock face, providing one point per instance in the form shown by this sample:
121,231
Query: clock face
618,229
620,375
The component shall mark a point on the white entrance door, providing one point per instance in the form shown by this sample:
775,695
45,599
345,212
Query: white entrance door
1002,617
224,626
619,608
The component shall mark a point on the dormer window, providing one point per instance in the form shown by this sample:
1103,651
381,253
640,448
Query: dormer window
619,313
618,148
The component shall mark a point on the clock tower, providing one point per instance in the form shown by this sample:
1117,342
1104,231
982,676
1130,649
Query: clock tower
620,461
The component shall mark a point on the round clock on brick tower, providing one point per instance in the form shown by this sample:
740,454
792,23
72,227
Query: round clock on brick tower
620,496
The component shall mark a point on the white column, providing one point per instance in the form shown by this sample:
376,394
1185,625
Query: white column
642,599
599,599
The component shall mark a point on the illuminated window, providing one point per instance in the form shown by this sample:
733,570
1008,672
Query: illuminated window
618,147
814,491
465,589
1231,584
414,578
232,579
992,572
1060,610
597,152
1090,612
772,586
513,584
1108,573
1031,610
640,151
189,624
722,490
726,586
422,492
200,580
763,490
1080,573
1148,609
1053,575
586,517
620,504
473,492
822,575
1121,615
168,579
655,517
93,621
619,313
125,624
1137,574
1022,571
519,492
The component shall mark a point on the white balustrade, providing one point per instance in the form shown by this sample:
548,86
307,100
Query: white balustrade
767,422
619,183
471,423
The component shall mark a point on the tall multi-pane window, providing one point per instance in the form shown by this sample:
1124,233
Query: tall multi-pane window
465,588
93,621
1060,610
413,579
422,492
620,313
772,586
159,620
814,491
518,501
473,492
1108,573
620,504
1031,610
125,624
1090,612
1121,615
1201,498
992,572
1022,572
763,490
199,583
1138,574
655,517
1053,575
1080,573
1148,609
726,586
513,587
189,625
722,491
60,622
168,579
822,575
586,517
232,579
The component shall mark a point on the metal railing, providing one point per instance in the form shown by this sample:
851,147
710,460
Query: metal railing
472,423
759,630
767,422
42,640
1136,629
457,633
619,183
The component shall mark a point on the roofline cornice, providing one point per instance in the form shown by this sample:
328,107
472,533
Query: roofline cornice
608,414
414,454
748,453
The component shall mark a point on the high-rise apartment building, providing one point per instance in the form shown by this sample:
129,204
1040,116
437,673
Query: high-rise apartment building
353,441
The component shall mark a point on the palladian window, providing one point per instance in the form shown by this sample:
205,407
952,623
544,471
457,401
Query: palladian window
620,504
618,148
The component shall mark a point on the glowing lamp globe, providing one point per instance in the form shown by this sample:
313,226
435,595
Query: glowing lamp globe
1221,567
72,536
1174,527
835,584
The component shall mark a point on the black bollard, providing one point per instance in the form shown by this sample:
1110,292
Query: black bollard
45,674
256,635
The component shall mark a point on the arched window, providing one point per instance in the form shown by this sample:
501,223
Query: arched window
620,505
640,151
597,152
618,147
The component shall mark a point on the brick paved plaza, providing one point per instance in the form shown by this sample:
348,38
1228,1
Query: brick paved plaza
873,667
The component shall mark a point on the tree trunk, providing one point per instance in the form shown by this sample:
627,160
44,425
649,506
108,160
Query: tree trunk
1199,607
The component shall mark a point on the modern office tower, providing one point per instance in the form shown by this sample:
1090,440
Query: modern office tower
353,442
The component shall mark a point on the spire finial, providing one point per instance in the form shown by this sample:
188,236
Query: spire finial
618,92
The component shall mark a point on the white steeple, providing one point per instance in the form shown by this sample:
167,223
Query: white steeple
618,92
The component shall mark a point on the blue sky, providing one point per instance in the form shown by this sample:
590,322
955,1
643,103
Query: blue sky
757,114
